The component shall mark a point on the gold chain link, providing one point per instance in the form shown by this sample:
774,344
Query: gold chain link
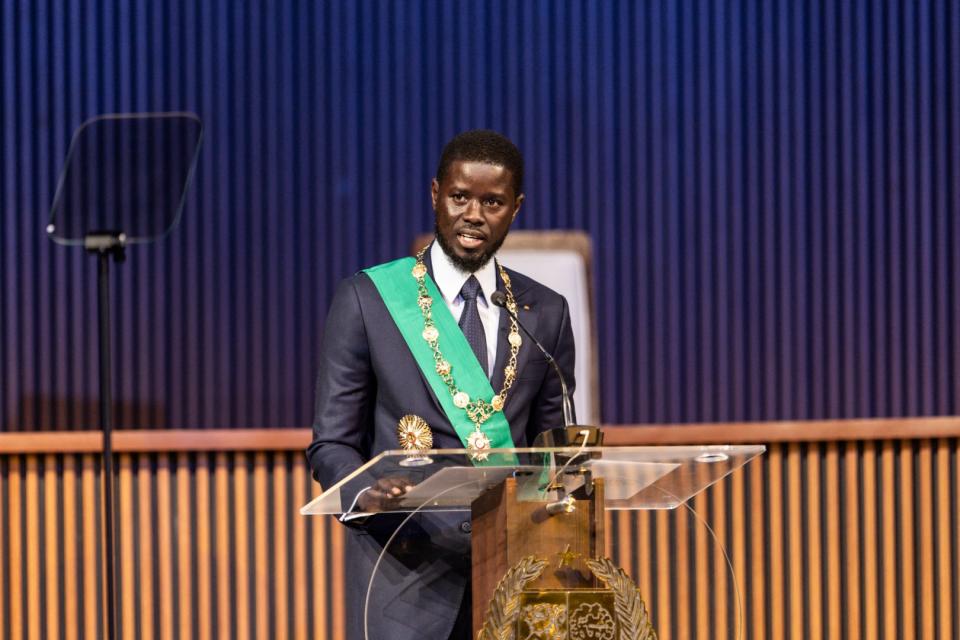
478,410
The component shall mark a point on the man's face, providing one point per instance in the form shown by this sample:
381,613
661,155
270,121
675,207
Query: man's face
475,205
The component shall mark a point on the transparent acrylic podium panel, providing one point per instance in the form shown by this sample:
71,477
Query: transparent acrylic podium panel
450,479
656,529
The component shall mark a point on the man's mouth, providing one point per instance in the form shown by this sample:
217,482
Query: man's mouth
470,239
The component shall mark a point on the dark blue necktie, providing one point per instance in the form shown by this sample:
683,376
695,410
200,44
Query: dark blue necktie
470,321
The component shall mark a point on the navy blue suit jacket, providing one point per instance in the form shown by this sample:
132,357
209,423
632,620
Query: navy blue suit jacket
367,380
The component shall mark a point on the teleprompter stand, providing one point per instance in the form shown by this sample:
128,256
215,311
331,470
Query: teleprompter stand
124,182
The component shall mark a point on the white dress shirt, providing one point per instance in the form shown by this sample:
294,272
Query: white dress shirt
450,279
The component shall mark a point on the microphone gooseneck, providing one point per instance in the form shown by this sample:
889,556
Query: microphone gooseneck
500,299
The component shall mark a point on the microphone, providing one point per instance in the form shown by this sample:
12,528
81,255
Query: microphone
500,299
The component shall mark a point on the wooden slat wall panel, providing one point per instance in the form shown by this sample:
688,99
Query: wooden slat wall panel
852,539
869,552
946,538
145,485
833,540
15,580
91,533
926,598
200,557
33,571
887,523
204,549
222,546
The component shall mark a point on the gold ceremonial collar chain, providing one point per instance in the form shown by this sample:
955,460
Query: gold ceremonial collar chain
478,410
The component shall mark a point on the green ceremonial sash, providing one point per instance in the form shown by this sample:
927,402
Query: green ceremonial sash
398,288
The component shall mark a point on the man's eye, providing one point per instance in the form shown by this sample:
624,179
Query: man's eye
459,197
492,202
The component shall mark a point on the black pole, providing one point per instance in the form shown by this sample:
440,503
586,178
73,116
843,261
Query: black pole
106,422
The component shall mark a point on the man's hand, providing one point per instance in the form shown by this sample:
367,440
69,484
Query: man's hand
384,495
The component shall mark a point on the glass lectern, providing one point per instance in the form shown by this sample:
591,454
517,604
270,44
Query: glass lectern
538,524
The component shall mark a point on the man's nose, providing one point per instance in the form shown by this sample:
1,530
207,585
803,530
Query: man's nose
472,211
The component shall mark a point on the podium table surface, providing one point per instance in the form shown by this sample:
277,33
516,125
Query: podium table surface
635,478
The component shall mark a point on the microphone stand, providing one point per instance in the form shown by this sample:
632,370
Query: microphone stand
499,299
590,435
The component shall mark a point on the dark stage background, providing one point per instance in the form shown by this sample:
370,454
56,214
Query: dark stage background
772,189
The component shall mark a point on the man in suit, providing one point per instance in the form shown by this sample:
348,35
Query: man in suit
376,368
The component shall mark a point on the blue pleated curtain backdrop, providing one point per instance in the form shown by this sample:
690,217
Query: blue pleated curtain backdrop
772,189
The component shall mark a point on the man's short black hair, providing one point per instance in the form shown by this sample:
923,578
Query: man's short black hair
483,145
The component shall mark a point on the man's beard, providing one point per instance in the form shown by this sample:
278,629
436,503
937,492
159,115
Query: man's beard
468,264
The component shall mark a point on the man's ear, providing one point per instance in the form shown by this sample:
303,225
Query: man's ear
516,207
434,193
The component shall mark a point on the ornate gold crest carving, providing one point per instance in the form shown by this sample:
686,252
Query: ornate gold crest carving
566,557
592,621
545,621
505,604
631,612
615,614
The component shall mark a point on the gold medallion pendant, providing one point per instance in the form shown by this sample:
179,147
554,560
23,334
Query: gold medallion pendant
415,436
478,443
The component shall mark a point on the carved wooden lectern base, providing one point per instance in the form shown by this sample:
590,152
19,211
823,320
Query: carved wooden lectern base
540,576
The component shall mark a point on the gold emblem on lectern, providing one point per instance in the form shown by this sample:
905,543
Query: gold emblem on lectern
545,621
614,613
592,621
566,557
